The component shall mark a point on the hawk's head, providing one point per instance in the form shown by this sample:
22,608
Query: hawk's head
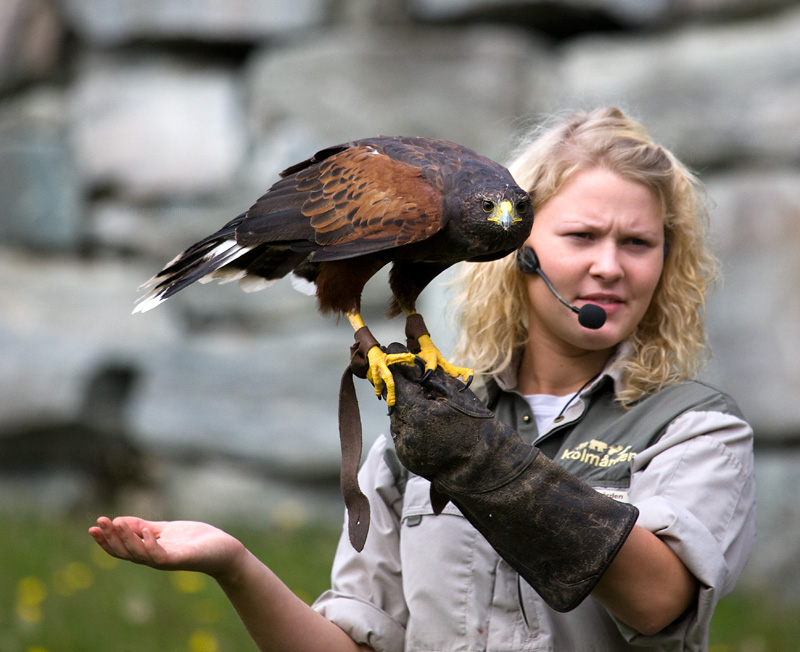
491,221
506,208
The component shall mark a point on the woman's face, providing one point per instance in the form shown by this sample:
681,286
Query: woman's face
600,240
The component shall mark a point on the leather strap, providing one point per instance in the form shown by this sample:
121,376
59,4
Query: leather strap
350,437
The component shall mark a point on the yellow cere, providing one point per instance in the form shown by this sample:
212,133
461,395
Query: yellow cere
504,214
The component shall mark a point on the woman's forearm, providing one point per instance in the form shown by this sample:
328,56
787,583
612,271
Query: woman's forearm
646,586
277,620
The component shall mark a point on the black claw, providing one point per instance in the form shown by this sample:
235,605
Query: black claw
424,374
391,410
467,384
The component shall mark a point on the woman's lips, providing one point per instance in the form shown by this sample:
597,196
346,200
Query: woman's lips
611,303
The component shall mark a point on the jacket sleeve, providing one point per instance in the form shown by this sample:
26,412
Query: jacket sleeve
366,597
695,490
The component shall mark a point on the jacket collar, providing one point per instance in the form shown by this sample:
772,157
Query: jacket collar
506,380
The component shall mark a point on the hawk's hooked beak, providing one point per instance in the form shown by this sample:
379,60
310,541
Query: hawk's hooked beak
504,215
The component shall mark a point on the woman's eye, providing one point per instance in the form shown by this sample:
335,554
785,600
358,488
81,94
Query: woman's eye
487,205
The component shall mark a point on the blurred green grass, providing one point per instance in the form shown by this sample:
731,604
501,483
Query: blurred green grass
744,622
60,593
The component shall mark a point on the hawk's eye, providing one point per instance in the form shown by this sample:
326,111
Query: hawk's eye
487,205
522,205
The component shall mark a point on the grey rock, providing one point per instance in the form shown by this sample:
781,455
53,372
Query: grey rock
31,37
62,320
106,22
152,128
753,316
157,231
717,95
546,15
568,17
773,568
268,399
468,86
267,393
704,10
228,494
38,186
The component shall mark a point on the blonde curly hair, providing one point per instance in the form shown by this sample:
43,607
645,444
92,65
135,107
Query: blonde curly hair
669,344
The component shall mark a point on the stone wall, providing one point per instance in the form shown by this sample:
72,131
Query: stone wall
130,129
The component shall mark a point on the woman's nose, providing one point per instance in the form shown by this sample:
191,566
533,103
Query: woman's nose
606,261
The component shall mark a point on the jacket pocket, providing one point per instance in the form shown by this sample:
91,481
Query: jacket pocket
417,502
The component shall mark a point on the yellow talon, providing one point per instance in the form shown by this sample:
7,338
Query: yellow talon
433,358
380,375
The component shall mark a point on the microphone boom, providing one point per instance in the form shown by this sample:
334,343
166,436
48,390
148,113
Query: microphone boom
589,316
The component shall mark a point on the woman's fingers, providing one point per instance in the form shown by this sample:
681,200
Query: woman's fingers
123,538
109,538
98,534
131,540
155,552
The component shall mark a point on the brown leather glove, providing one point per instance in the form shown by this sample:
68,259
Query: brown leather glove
557,532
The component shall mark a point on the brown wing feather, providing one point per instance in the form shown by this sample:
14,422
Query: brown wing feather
357,200
362,194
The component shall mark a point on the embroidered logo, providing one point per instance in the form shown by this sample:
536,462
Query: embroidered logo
598,453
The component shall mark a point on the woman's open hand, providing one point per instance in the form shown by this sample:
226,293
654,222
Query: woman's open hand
168,545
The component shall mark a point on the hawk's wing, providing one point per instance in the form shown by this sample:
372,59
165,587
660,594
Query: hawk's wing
346,202
359,198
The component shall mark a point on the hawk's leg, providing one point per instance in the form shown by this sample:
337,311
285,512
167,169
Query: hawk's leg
419,341
378,373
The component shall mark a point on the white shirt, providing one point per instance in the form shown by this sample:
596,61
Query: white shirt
546,408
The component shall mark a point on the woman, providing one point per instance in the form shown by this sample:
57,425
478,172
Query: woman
619,224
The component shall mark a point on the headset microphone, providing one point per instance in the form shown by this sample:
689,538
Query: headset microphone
589,316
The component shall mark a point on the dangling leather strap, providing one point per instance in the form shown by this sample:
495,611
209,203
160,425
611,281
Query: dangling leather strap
355,501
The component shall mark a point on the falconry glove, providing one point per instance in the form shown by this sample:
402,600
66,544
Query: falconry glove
557,532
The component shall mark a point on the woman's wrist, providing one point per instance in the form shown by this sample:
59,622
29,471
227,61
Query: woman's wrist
233,566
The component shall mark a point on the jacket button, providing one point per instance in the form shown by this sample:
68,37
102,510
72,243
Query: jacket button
526,418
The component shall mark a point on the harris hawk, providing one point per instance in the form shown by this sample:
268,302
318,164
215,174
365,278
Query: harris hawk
338,217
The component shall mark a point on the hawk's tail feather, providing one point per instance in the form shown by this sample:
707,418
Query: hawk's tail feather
303,285
255,267
195,264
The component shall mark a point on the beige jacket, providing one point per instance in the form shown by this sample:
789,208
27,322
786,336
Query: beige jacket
426,583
